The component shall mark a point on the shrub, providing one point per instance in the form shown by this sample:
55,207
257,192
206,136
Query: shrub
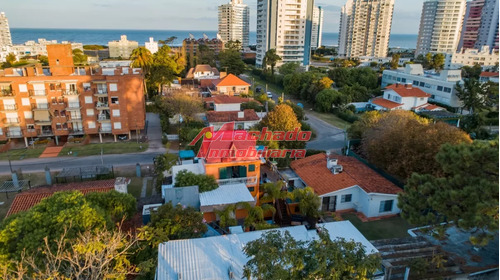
42,141
347,115
204,182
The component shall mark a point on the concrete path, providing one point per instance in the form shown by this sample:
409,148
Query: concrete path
154,133
144,187
51,152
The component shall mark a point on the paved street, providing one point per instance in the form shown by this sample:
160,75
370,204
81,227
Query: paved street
328,137
58,163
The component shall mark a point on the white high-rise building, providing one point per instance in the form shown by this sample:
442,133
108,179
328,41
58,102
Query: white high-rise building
284,25
317,27
234,22
440,26
152,45
365,28
5,38
122,48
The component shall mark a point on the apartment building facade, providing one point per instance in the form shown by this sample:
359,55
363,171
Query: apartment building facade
234,22
122,48
440,26
191,45
317,27
152,45
284,25
470,57
63,100
480,27
5,38
365,27
36,48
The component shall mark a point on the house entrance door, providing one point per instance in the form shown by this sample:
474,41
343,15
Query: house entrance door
329,203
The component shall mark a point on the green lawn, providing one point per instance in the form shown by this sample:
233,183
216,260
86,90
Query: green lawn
19,154
107,148
332,119
262,83
149,188
135,187
394,227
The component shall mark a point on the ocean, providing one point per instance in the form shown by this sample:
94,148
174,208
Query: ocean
103,36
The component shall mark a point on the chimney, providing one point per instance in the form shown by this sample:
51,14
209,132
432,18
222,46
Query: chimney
121,184
330,163
241,114
222,75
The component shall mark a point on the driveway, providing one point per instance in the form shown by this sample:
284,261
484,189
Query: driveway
154,133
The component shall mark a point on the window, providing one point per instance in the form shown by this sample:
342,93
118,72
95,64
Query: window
403,80
116,113
421,84
421,99
251,167
25,101
113,87
447,89
251,189
23,88
114,100
415,83
118,125
28,114
86,86
346,198
385,206
440,88
90,112
91,124
88,99
389,96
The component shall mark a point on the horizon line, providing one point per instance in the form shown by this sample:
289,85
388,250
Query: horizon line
131,29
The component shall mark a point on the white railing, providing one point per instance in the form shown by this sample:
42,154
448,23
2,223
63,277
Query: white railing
245,180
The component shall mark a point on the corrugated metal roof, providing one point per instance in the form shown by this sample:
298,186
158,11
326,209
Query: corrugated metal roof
226,194
344,229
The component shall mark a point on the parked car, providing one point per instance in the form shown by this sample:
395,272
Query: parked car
269,95
258,89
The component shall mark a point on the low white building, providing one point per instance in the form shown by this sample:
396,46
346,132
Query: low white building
403,97
471,57
32,48
152,45
122,48
488,77
345,183
223,257
203,71
224,103
440,86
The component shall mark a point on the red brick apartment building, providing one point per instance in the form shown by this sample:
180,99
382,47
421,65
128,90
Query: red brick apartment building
63,100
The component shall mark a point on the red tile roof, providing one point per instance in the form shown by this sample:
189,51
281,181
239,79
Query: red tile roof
231,80
232,116
27,199
313,171
489,74
407,90
227,99
225,141
385,103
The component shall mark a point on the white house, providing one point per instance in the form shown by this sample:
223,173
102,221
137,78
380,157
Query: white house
403,97
152,45
345,183
224,103
223,257
440,86
203,71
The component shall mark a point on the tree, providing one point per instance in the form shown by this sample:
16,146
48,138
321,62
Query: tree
10,59
117,205
25,232
270,59
274,192
227,216
356,93
325,99
93,255
473,94
282,118
465,194
255,215
179,103
472,72
44,60
289,68
205,55
428,63
287,258
367,120
309,204
400,142
79,57
230,61
438,61
167,41
173,222
299,111
395,61
142,58
167,64
233,46
205,183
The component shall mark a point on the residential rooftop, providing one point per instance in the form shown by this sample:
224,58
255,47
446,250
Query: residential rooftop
232,116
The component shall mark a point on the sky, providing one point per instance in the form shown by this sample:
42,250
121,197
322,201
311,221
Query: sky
167,14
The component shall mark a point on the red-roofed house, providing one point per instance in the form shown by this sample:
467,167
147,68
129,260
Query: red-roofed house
224,103
243,119
27,199
345,183
232,85
488,76
403,97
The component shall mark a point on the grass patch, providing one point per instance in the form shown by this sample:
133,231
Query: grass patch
19,154
332,119
149,188
262,83
135,187
395,227
107,148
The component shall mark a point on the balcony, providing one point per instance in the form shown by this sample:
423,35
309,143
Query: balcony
6,93
14,134
101,92
45,132
40,106
74,105
70,92
76,131
105,129
37,92
30,132
11,120
102,105
243,180
75,118
103,117
9,107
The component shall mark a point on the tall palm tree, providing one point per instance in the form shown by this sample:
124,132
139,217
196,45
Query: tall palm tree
142,58
255,214
272,191
226,216
271,58
309,204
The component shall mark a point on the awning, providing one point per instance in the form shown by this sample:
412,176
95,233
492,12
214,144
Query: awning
43,116
99,82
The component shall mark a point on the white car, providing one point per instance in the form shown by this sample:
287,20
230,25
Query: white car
269,95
